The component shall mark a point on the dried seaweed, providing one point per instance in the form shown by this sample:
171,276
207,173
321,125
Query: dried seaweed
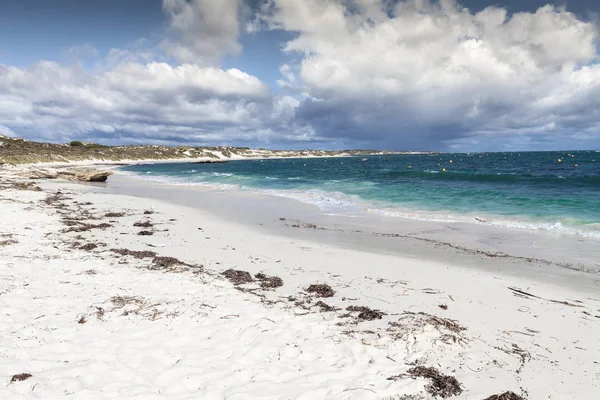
321,290
135,254
505,396
88,246
440,385
159,263
114,214
237,277
325,307
365,313
87,227
143,224
20,377
269,282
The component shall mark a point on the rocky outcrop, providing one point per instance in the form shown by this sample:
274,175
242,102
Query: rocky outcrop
71,174
85,175
210,162
40,174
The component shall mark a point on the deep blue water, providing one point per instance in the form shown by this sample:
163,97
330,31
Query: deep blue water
556,191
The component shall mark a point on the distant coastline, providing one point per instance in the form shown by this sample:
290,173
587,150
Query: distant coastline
15,151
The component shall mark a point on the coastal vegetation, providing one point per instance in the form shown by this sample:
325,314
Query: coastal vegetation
20,151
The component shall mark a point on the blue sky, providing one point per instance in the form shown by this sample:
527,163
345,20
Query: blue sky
444,75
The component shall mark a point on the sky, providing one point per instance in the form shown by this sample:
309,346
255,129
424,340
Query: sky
446,75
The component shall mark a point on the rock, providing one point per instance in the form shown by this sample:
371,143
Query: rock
210,162
40,174
86,175
79,174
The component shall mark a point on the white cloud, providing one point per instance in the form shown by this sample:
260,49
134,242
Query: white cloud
133,101
416,69
201,31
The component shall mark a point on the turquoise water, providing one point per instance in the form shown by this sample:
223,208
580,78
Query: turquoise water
554,191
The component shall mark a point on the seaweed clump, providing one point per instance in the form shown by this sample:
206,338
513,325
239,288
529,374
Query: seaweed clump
321,290
269,282
365,313
440,385
237,277
505,396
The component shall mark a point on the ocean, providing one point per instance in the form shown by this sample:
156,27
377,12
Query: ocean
550,191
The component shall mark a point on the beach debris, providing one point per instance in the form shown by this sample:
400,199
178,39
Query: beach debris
440,385
505,396
7,239
145,233
525,295
127,305
160,262
135,254
148,212
409,323
321,290
122,301
522,355
114,214
237,277
365,313
269,282
87,227
143,224
20,377
325,307
443,306
88,246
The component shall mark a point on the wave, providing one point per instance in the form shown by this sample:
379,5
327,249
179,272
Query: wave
507,178
337,202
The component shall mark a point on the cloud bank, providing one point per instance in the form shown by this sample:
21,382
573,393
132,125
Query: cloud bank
410,74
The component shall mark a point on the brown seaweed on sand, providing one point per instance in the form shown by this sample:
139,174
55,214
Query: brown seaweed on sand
321,290
325,307
505,396
114,214
133,253
20,377
159,263
87,227
440,385
269,282
143,224
88,246
237,277
365,313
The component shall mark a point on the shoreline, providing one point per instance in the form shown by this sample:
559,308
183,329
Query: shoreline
472,238
350,205
519,333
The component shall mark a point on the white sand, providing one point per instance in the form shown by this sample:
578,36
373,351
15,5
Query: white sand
193,335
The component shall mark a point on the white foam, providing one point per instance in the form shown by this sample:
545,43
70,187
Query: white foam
339,203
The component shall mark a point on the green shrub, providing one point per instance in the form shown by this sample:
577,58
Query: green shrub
75,143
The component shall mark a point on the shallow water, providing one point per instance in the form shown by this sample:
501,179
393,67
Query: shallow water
551,191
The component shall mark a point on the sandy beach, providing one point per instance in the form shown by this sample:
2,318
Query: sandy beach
110,293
